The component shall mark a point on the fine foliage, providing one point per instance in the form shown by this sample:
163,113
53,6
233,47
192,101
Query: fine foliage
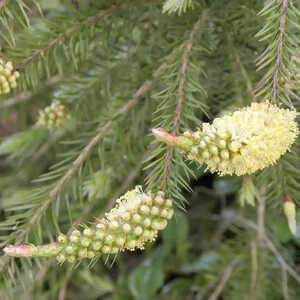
83,83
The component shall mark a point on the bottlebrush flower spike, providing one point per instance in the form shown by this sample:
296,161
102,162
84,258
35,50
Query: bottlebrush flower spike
134,221
8,77
248,140
53,115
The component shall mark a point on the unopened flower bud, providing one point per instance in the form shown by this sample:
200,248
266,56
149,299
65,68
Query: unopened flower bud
88,232
62,239
82,253
60,258
290,213
145,209
85,242
96,245
7,77
138,230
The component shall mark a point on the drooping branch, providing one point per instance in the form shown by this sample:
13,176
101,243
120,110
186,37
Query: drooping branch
225,277
182,82
86,151
68,33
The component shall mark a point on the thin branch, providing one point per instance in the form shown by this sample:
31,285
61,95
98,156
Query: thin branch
247,223
68,33
293,94
63,290
279,50
225,277
284,283
24,96
86,151
281,260
271,246
254,268
261,216
182,81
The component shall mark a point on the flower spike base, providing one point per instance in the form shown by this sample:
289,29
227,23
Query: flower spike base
248,140
134,221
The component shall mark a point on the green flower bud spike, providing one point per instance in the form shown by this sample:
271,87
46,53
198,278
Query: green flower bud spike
134,221
53,116
248,140
289,209
8,77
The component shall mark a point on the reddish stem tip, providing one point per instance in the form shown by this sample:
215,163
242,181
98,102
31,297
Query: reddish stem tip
286,198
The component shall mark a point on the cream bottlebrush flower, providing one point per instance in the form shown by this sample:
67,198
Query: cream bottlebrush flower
53,115
248,140
134,221
8,77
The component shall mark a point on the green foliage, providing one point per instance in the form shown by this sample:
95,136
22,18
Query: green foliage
122,68
23,145
145,280
280,30
179,6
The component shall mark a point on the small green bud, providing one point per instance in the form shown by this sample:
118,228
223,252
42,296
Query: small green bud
100,226
225,154
100,234
136,218
62,239
82,253
154,211
159,199
114,225
85,242
138,230
70,249
164,213
91,254
169,203
205,154
114,250
126,228
109,239
147,222
88,232
214,150
60,258
106,249
120,241
97,245
71,259
131,244
145,209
